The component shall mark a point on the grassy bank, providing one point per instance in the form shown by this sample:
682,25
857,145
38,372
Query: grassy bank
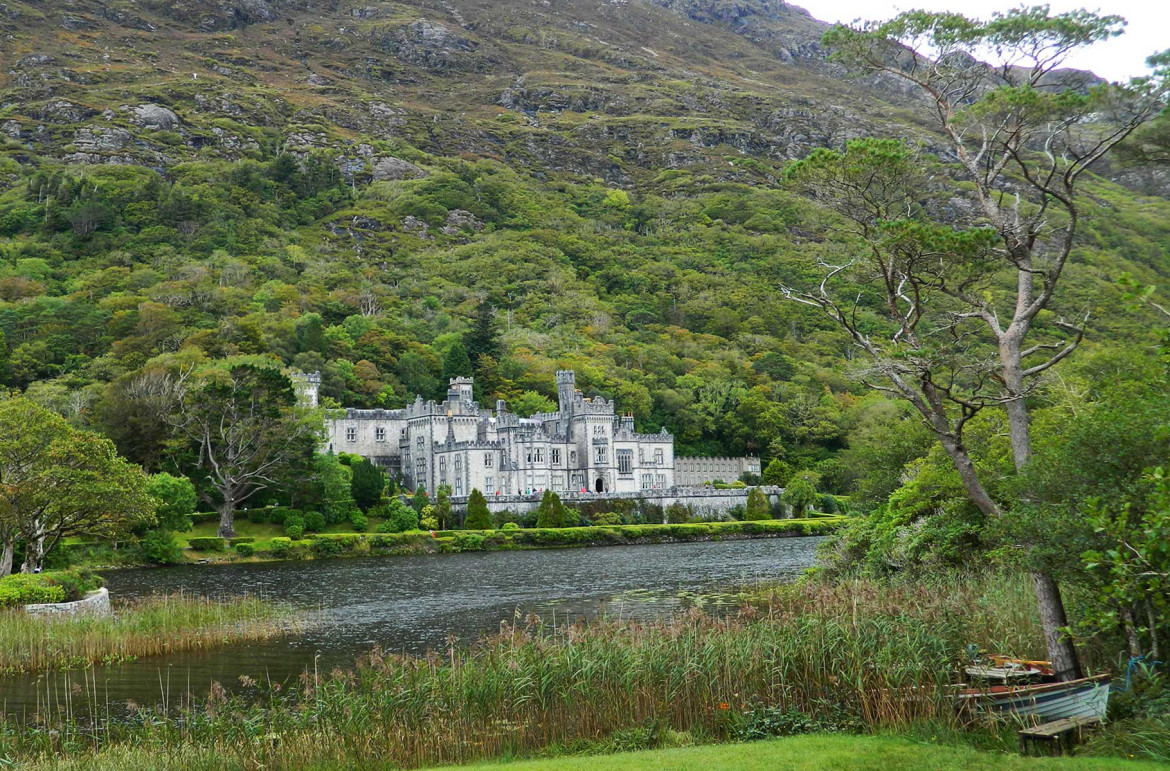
819,752
810,659
164,624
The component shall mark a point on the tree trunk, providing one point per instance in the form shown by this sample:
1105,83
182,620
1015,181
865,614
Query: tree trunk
1061,651
969,476
227,519
34,555
1132,641
6,551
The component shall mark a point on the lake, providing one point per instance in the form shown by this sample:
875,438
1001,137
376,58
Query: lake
412,604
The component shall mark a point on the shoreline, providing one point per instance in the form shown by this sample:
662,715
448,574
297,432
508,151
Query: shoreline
334,545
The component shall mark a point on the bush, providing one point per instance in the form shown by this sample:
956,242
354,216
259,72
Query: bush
241,539
608,518
314,521
325,547
245,549
509,527
294,530
677,513
160,547
757,506
296,521
274,514
399,517
828,504
428,523
207,544
359,521
58,586
285,548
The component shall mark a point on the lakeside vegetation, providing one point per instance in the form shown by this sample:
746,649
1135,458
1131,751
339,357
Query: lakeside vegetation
147,627
809,658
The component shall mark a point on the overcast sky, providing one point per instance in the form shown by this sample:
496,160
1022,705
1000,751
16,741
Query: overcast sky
1118,59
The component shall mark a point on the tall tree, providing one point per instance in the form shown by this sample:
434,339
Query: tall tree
367,484
1023,136
57,481
456,362
243,429
176,498
478,516
483,339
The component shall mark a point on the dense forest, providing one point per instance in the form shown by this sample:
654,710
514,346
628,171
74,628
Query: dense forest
447,209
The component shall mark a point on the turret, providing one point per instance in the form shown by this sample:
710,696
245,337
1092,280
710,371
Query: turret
566,389
461,389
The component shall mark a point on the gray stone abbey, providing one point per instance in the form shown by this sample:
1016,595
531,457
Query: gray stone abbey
583,447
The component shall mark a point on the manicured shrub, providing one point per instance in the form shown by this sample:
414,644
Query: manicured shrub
359,521
428,523
314,521
828,504
277,515
608,518
478,516
509,527
207,544
326,547
399,517
241,539
285,548
245,549
294,526
677,513
469,541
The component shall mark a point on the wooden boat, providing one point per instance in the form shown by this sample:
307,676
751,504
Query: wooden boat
1005,669
1084,698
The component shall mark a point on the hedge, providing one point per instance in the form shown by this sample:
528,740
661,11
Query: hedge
207,544
55,586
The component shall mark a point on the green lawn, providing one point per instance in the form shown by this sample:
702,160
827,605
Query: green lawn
880,753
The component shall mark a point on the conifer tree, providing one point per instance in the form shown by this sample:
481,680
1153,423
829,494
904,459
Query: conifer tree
757,506
547,515
367,484
456,362
478,516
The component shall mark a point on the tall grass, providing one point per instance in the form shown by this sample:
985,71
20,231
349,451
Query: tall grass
152,626
856,656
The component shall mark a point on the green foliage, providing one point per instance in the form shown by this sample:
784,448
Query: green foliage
53,586
294,526
551,512
160,547
800,494
177,500
314,521
359,521
245,550
757,507
677,513
367,484
398,517
478,516
509,527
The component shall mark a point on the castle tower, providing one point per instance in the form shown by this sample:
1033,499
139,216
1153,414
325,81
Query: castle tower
566,389
461,389
307,386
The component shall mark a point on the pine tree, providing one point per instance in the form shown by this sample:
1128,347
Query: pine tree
483,338
456,362
757,506
420,499
478,516
547,515
367,484
566,516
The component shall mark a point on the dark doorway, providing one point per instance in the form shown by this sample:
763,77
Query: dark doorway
600,486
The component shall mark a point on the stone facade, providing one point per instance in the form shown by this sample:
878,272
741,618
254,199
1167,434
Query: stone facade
583,446
703,502
692,472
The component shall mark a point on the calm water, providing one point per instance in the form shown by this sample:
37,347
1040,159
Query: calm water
412,604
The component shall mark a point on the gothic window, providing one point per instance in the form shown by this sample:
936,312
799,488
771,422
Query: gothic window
351,434
379,434
599,430
599,454
529,456
658,456
458,466
420,471
443,463
488,461
420,442
556,456
558,484
647,481
458,486
625,461
489,485
538,455
660,481
573,457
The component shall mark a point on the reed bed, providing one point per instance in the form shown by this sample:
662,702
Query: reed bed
850,657
148,627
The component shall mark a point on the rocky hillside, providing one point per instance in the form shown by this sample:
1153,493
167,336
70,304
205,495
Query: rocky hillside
618,89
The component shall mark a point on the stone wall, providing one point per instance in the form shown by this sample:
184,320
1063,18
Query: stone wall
96,603
704,502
